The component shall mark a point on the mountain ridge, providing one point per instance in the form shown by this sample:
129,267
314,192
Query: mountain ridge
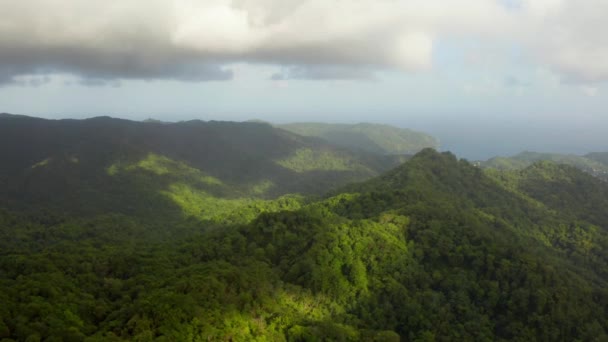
375,138
99,159
595,164
434,248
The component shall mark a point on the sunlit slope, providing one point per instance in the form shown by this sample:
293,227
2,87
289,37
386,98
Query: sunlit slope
376,138
509,254
436,249
104,164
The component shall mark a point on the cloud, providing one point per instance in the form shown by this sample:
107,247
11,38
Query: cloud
97,82
568,36
27,80
590,91
192,40
197,40
333,72
512,81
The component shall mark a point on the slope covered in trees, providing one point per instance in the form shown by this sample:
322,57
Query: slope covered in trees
375,138
148,168
433,250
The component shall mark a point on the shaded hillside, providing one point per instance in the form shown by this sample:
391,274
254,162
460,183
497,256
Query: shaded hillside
104,164
433,250
375,138
562,188
595,164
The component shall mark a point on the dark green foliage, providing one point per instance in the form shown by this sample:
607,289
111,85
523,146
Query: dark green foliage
434,250
102,164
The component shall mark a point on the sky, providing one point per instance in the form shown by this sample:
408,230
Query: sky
487,77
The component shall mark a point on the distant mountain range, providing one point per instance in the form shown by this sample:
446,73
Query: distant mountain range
375,138
595,164
105,164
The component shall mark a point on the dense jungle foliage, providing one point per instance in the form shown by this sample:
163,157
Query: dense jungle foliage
157,248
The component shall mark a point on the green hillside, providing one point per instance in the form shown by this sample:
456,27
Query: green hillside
595,164
114,230
199,169
375,138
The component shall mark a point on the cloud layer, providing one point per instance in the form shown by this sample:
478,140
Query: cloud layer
194,40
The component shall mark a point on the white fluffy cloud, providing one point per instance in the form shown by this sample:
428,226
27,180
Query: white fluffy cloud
195,40
569,36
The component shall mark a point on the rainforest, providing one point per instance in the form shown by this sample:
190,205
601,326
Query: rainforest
117,230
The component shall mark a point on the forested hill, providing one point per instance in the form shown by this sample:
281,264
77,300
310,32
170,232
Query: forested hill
104,164
503,254
434,250
595,164
376,138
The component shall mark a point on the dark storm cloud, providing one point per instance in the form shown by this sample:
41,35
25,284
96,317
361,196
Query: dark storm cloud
103,66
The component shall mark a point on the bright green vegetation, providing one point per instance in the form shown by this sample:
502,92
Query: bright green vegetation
375,138
435,249
198,204
161,165
261,188
304,160
41,164
594,163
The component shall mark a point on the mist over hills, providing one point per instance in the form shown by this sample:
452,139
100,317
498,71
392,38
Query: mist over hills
115,230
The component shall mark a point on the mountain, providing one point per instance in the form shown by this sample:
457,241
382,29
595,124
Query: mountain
595,164
435,249
104,164
375,138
